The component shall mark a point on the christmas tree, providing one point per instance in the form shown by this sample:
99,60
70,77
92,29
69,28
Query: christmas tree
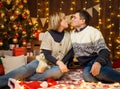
16,26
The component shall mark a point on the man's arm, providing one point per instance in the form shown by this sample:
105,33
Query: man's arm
103,57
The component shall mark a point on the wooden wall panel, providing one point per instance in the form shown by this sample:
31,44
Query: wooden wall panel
32,6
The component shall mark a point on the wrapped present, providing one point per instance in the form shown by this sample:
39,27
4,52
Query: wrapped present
19,51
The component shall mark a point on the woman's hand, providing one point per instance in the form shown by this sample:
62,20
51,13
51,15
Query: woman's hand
62,66
95,70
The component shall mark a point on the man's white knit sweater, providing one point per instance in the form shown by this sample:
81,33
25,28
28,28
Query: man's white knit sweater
87,42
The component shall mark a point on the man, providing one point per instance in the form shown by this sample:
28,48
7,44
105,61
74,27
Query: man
91,51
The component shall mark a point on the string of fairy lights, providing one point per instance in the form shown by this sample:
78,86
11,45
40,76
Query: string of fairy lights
72,6
85,5
61,5
110,26
73,3
117,40
108,21
99,17
43,8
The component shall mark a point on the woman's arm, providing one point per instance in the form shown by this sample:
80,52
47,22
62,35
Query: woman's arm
61,65
69,56
48,55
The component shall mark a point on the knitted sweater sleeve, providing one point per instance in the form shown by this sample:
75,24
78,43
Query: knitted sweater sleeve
101,48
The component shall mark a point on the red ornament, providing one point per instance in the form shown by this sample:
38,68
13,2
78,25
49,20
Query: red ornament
1,43
29,20
20,3
18,23
37,35
1,4
24,16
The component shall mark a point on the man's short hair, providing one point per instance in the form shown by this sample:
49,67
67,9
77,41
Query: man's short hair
84,15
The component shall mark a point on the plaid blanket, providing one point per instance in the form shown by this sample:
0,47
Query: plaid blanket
71,80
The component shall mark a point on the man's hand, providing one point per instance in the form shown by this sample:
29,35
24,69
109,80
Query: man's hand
62,66
95,70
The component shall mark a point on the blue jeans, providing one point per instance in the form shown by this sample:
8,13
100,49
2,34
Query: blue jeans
107,74
28,72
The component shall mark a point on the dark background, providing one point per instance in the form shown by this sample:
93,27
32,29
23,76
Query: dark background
109,15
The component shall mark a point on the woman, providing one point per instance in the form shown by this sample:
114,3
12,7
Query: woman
56,46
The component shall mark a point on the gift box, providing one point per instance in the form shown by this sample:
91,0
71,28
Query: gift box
19,51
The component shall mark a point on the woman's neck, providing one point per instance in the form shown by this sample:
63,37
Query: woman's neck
60,29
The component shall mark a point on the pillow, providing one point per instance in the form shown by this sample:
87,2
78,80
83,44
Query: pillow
25,57
13,62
